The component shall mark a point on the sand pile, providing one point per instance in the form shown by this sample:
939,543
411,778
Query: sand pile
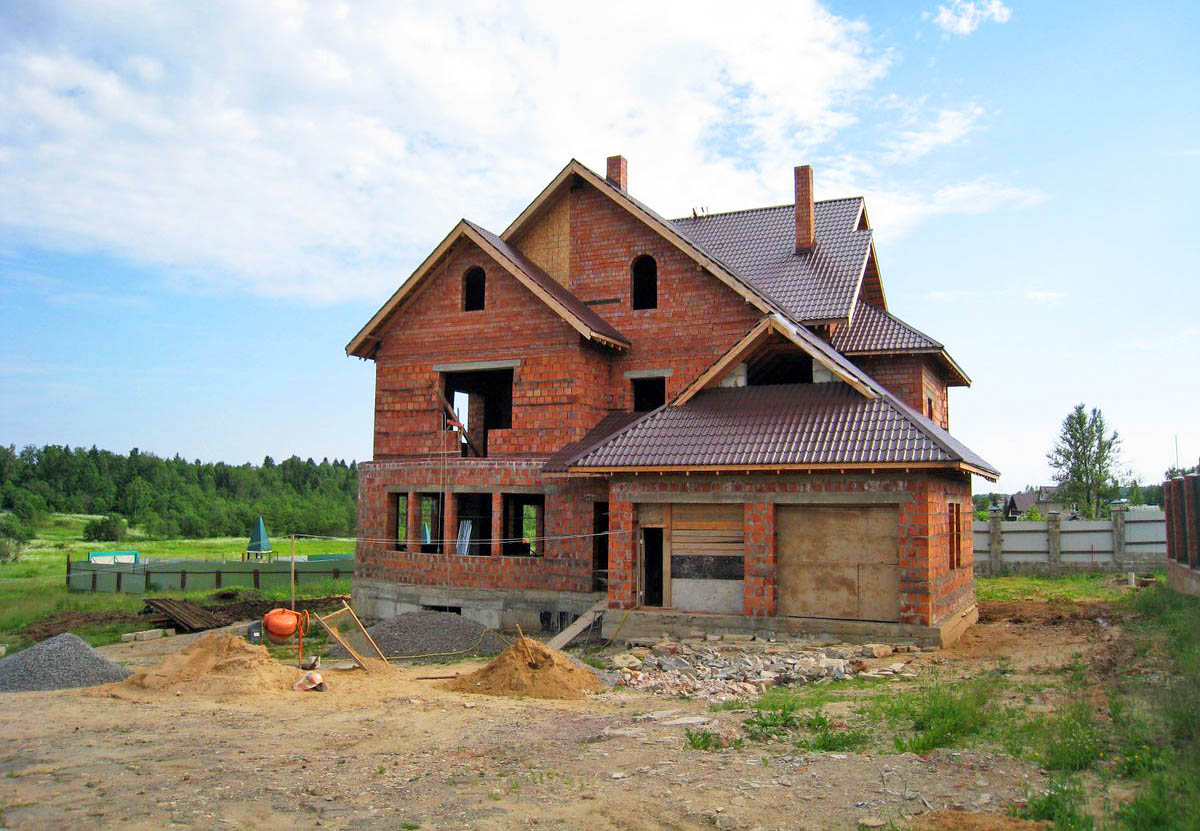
531,669
218,664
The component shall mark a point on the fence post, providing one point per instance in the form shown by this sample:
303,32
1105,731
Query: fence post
183,579
995,541
119,573
256,578
93,579
1054,541
217,579
147,580
1118,508
68,569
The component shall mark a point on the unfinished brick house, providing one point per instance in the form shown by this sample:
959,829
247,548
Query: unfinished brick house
711,422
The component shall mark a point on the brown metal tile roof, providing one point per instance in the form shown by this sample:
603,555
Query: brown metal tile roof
577,307
759,246
786,425
874,330
612,423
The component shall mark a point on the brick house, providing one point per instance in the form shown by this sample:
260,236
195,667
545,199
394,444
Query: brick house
709,422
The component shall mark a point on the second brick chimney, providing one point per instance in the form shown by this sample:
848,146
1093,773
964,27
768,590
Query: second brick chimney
618,171
806,232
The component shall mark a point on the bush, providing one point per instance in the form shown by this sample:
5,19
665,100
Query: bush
12,528
10,550
106,529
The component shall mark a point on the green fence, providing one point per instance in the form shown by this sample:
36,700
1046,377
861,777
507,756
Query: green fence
192,575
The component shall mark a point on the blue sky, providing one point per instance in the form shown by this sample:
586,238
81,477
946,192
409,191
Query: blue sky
202,205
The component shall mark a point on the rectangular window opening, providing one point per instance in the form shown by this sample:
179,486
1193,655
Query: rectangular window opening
648,394
524,524
955,535
431,522
400,526
482,401
474,538
474,290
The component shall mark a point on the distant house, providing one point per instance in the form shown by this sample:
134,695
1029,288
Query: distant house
1045,498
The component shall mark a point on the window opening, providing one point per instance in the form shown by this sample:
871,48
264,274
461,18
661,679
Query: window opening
474,290
524,524
484,397
645,283
648,394
431,522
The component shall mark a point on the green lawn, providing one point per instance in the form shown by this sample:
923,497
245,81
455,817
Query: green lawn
1073,587
35,587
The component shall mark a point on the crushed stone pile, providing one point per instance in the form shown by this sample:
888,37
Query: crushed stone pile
58,663
717,671
428,633
220,664
530,668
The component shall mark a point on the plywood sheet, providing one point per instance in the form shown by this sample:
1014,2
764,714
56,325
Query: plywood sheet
650,515
842,534
838,562
707,516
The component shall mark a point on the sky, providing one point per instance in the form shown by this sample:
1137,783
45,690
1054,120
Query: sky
201,204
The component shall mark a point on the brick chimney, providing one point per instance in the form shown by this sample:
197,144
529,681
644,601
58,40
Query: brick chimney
618,171
806,233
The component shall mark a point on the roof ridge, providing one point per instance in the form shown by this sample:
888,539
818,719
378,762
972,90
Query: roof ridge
767,208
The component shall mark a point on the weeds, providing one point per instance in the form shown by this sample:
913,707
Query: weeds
709,740
1072,740
772,723
942,714
1061,804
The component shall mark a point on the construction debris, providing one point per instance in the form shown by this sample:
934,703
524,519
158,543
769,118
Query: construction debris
717,671
529,668
181,614
61,662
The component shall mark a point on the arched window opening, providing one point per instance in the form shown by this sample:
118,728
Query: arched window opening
645,283
474,285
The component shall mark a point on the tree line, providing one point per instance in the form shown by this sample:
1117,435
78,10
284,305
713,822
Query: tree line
176,497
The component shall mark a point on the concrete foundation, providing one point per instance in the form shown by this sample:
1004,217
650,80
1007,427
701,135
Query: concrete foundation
534,610
653,623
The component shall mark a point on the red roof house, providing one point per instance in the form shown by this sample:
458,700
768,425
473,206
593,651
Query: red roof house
709,422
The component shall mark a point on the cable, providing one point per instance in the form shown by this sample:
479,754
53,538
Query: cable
389,540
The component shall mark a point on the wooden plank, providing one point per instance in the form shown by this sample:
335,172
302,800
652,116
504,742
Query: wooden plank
333,633
668,516
578,625
685,513
458,425
718,525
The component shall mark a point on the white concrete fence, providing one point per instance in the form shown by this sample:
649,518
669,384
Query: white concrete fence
1134,539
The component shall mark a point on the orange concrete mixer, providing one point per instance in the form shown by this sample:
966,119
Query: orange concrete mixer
280,625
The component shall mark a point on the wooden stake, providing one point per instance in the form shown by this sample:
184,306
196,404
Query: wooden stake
293,572
375,646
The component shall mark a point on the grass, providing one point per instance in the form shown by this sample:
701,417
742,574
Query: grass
1062,804
708,740
34,587
942,713
1073,587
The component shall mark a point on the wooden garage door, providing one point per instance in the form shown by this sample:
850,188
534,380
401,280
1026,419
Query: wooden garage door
707,556
838,562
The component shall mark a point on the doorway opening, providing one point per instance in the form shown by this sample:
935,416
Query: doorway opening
652,566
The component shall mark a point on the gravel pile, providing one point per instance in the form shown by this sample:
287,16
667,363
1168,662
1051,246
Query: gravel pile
424,633
61,662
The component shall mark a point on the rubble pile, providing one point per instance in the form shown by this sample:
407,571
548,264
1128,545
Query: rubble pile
717,670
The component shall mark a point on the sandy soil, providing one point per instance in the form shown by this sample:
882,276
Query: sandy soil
385,749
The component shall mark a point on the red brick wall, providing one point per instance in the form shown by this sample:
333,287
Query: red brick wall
930,589
913,379
559,390
698,317
566,564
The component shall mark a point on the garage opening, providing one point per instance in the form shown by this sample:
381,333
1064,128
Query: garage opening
474,524
481,400
838,562
652,560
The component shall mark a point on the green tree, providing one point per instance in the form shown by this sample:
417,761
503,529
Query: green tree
1085,458
1135,495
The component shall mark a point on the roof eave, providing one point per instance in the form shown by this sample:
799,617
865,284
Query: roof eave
961,378
823,467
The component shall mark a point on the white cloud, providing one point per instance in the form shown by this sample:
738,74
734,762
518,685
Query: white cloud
949,126
1048,298
320,151
962,17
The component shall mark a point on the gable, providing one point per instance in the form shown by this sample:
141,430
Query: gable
547,240
578,315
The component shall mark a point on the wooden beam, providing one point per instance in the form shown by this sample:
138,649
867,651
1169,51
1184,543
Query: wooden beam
450,414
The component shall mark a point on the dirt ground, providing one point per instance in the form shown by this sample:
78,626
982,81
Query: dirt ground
390,750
